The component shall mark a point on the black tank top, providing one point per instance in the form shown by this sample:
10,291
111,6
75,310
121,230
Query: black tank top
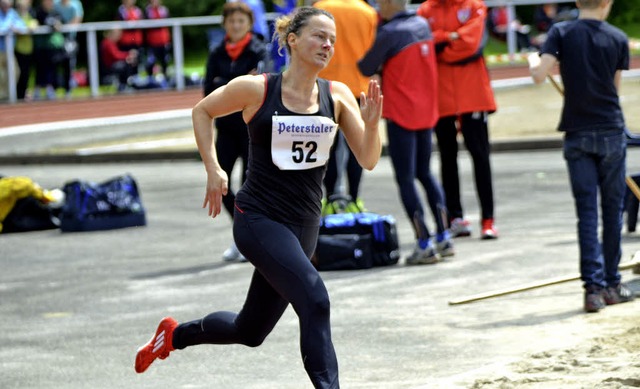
292,192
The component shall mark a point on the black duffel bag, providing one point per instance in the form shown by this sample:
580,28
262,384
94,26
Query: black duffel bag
356,241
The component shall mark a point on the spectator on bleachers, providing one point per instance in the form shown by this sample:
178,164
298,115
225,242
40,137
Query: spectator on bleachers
10,22
132,38
544,15
69,16
498,22
48,50
547,15
158,41
116,62
241,52
24,47
77,4
260,27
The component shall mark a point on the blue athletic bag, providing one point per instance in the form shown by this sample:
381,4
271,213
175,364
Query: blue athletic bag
112,204
356,241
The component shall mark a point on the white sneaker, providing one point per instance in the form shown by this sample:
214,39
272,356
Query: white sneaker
459,227
233,254
426,256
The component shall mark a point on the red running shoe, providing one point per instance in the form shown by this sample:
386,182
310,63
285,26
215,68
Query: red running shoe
489,230
159,346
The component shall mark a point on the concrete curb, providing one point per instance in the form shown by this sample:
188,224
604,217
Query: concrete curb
52,135
193,155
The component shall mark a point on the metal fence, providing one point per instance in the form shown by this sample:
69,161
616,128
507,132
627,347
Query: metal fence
176,24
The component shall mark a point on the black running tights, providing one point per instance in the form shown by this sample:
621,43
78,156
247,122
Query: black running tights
284,274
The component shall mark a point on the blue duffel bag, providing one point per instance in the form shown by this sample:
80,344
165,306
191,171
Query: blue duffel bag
356,241
112,204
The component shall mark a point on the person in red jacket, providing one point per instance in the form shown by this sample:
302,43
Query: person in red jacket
404,50
465,99
158,40
132,38
117,62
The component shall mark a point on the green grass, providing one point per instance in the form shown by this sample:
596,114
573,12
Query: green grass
195,62
495,47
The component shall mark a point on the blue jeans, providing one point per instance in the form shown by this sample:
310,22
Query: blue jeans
410,153
596,160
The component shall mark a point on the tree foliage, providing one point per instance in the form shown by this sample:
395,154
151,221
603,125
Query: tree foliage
624,13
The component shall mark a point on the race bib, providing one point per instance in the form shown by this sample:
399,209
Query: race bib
301,142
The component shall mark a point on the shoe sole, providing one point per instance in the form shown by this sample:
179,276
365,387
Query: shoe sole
139,360
617,301
428,261
446,253
237,258
231,258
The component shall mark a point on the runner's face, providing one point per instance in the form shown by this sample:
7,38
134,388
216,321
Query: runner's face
316,41
237,25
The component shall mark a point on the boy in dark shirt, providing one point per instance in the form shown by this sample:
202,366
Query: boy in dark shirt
592,55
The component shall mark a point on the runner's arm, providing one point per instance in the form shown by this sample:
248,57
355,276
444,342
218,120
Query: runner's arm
239,94
360,125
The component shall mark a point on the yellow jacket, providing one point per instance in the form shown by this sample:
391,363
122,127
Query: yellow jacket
13,189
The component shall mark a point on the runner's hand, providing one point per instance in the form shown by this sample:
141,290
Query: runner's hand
371,105
217,186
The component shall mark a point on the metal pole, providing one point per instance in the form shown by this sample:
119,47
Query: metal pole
11,67
178,56
92,54
634,264
511,33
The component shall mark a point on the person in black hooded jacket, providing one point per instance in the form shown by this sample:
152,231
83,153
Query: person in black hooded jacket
241,52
